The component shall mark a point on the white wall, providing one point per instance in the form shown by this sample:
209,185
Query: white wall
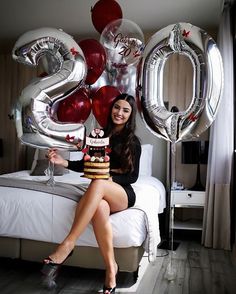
159,149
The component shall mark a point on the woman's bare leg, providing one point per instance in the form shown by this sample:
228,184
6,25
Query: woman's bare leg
115,196
103,232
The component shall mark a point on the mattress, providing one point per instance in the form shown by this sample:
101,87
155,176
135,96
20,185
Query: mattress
47,217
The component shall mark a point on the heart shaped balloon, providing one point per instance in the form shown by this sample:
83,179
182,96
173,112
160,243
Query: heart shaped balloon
75,108
101,103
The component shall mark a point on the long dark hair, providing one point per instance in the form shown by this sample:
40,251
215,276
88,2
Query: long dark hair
126,135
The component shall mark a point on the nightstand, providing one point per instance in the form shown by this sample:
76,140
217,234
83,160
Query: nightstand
186,199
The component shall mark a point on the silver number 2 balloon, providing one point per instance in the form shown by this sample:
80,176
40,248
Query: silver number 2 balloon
200,48
35,124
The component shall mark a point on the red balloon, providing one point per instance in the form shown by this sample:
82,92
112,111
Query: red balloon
95,56
103,12
101,103
75,108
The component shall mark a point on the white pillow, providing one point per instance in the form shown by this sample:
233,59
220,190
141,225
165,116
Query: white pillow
76,155
40,163
41,154
145,166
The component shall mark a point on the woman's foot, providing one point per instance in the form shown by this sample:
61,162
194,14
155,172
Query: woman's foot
53,263
107,290
62,252
110,280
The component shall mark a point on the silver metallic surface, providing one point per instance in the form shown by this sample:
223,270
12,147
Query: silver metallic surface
35,119
124,79
200,48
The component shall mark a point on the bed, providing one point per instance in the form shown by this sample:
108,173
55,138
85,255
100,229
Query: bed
35,217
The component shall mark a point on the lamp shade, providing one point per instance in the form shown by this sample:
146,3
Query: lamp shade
194,152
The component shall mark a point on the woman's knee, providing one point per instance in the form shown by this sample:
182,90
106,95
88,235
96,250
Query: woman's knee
102,211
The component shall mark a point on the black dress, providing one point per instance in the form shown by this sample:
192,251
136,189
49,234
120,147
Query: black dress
125,180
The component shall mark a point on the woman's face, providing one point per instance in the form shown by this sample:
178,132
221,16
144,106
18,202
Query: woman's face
121,112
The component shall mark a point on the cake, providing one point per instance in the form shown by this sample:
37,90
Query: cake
96,158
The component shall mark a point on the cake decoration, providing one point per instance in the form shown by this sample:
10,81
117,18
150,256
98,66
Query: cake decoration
96,158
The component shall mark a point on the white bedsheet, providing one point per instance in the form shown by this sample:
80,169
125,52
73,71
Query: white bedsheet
46,217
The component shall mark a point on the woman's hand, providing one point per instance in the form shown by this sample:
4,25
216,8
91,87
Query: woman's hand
56,158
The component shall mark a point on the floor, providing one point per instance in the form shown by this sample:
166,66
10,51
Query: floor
190,268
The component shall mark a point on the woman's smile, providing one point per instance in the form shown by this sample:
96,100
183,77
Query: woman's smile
121,112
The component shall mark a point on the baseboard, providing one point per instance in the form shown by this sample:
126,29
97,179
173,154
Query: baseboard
165,244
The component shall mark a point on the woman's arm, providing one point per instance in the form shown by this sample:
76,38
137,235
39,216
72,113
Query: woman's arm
129,178
77,165
56,158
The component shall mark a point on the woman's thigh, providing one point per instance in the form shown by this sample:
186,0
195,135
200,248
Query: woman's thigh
112,192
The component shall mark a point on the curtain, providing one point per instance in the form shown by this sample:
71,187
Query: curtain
14,77
216,221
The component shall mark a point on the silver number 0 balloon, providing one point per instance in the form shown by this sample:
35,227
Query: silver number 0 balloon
200,48
35,123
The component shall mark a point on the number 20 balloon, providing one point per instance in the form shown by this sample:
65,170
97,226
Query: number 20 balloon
200,48
35,124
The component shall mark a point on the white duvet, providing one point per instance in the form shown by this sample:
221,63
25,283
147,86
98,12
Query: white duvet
46,217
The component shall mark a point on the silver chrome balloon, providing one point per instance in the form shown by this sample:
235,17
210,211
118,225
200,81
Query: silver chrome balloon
34,113
124,79
200,48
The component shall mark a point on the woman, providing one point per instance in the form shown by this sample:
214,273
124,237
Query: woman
104,197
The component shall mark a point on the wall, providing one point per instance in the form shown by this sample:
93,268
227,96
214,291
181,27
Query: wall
14,77
159,149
